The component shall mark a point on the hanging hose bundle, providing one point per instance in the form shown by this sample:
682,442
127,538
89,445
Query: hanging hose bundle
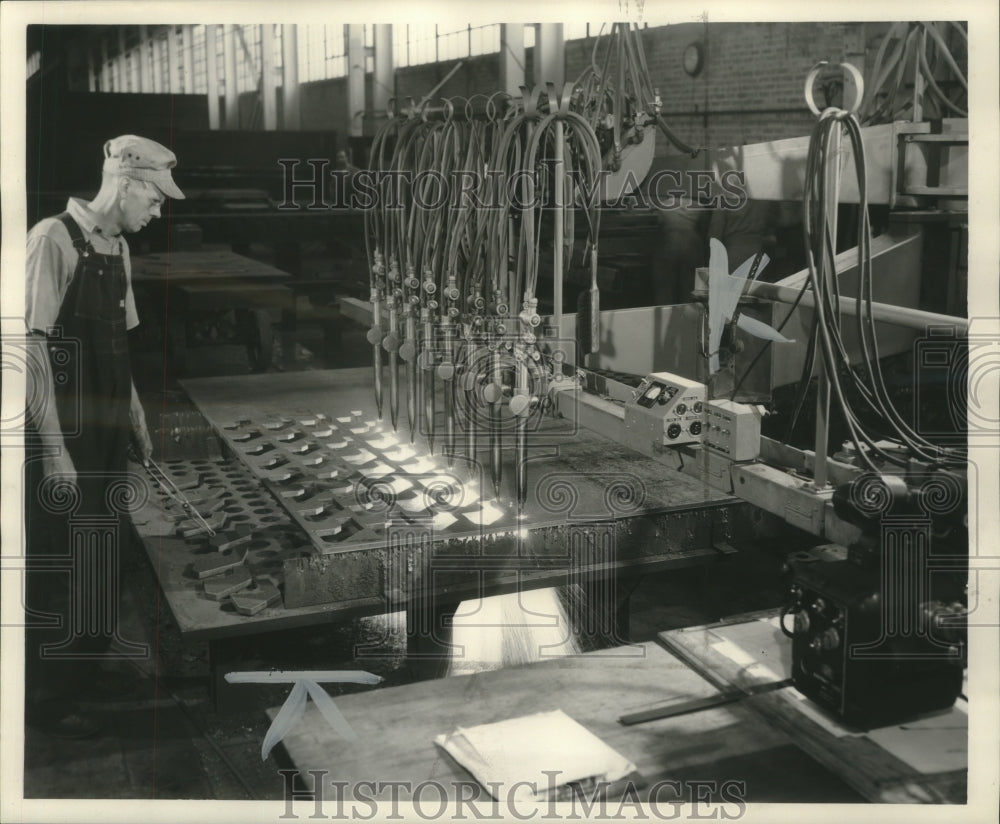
618,111
455,242
912,52
868,383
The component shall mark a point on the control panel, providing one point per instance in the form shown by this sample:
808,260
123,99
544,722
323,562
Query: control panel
732,429
665,410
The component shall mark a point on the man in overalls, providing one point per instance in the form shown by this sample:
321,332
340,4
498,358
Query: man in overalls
83,415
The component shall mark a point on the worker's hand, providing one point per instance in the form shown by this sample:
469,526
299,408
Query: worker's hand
141,442
57,468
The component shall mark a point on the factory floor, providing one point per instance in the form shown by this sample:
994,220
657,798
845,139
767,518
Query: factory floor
165,740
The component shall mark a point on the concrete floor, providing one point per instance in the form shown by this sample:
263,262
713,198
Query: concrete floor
167,742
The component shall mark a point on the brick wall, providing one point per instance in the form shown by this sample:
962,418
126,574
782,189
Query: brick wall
750,89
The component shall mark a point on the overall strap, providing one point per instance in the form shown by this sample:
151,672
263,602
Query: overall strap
75,234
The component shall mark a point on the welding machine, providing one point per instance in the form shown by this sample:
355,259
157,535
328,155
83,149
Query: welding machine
877,638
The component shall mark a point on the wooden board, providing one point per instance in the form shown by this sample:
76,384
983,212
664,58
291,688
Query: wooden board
748,650
200,266
396,726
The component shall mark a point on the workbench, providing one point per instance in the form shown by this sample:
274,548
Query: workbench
758,740
599,515
396,728
191,297
923,761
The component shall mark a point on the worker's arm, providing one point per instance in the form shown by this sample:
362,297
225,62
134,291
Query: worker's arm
45,285
140,433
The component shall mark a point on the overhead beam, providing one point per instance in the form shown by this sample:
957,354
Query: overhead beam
268,86
355,79
382,88
550,55
232,96
290,89
512,58
212,75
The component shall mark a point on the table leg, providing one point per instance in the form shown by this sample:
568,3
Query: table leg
230,655
289,325
608,610
429,634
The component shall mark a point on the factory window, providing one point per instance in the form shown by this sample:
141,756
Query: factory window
570,31
182,60
323,52
220,58
127,62
277,50
453,45
163,67
199,70
247,57
149,63
484,39
399,46
419,43
132,46
577,31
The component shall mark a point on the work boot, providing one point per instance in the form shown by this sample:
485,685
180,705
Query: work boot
62,719
112,684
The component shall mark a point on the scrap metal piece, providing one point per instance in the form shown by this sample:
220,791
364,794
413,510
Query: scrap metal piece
252,601
216,564
224,585
232,537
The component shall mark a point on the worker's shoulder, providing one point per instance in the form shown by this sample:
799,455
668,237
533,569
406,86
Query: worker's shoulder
49,228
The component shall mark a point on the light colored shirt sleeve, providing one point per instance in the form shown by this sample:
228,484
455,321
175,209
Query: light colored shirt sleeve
47,276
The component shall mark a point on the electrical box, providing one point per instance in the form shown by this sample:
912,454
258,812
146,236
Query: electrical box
665,410
845,659
732,429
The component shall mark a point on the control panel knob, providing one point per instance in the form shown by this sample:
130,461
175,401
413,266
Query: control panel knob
519,405
801,622
830,639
